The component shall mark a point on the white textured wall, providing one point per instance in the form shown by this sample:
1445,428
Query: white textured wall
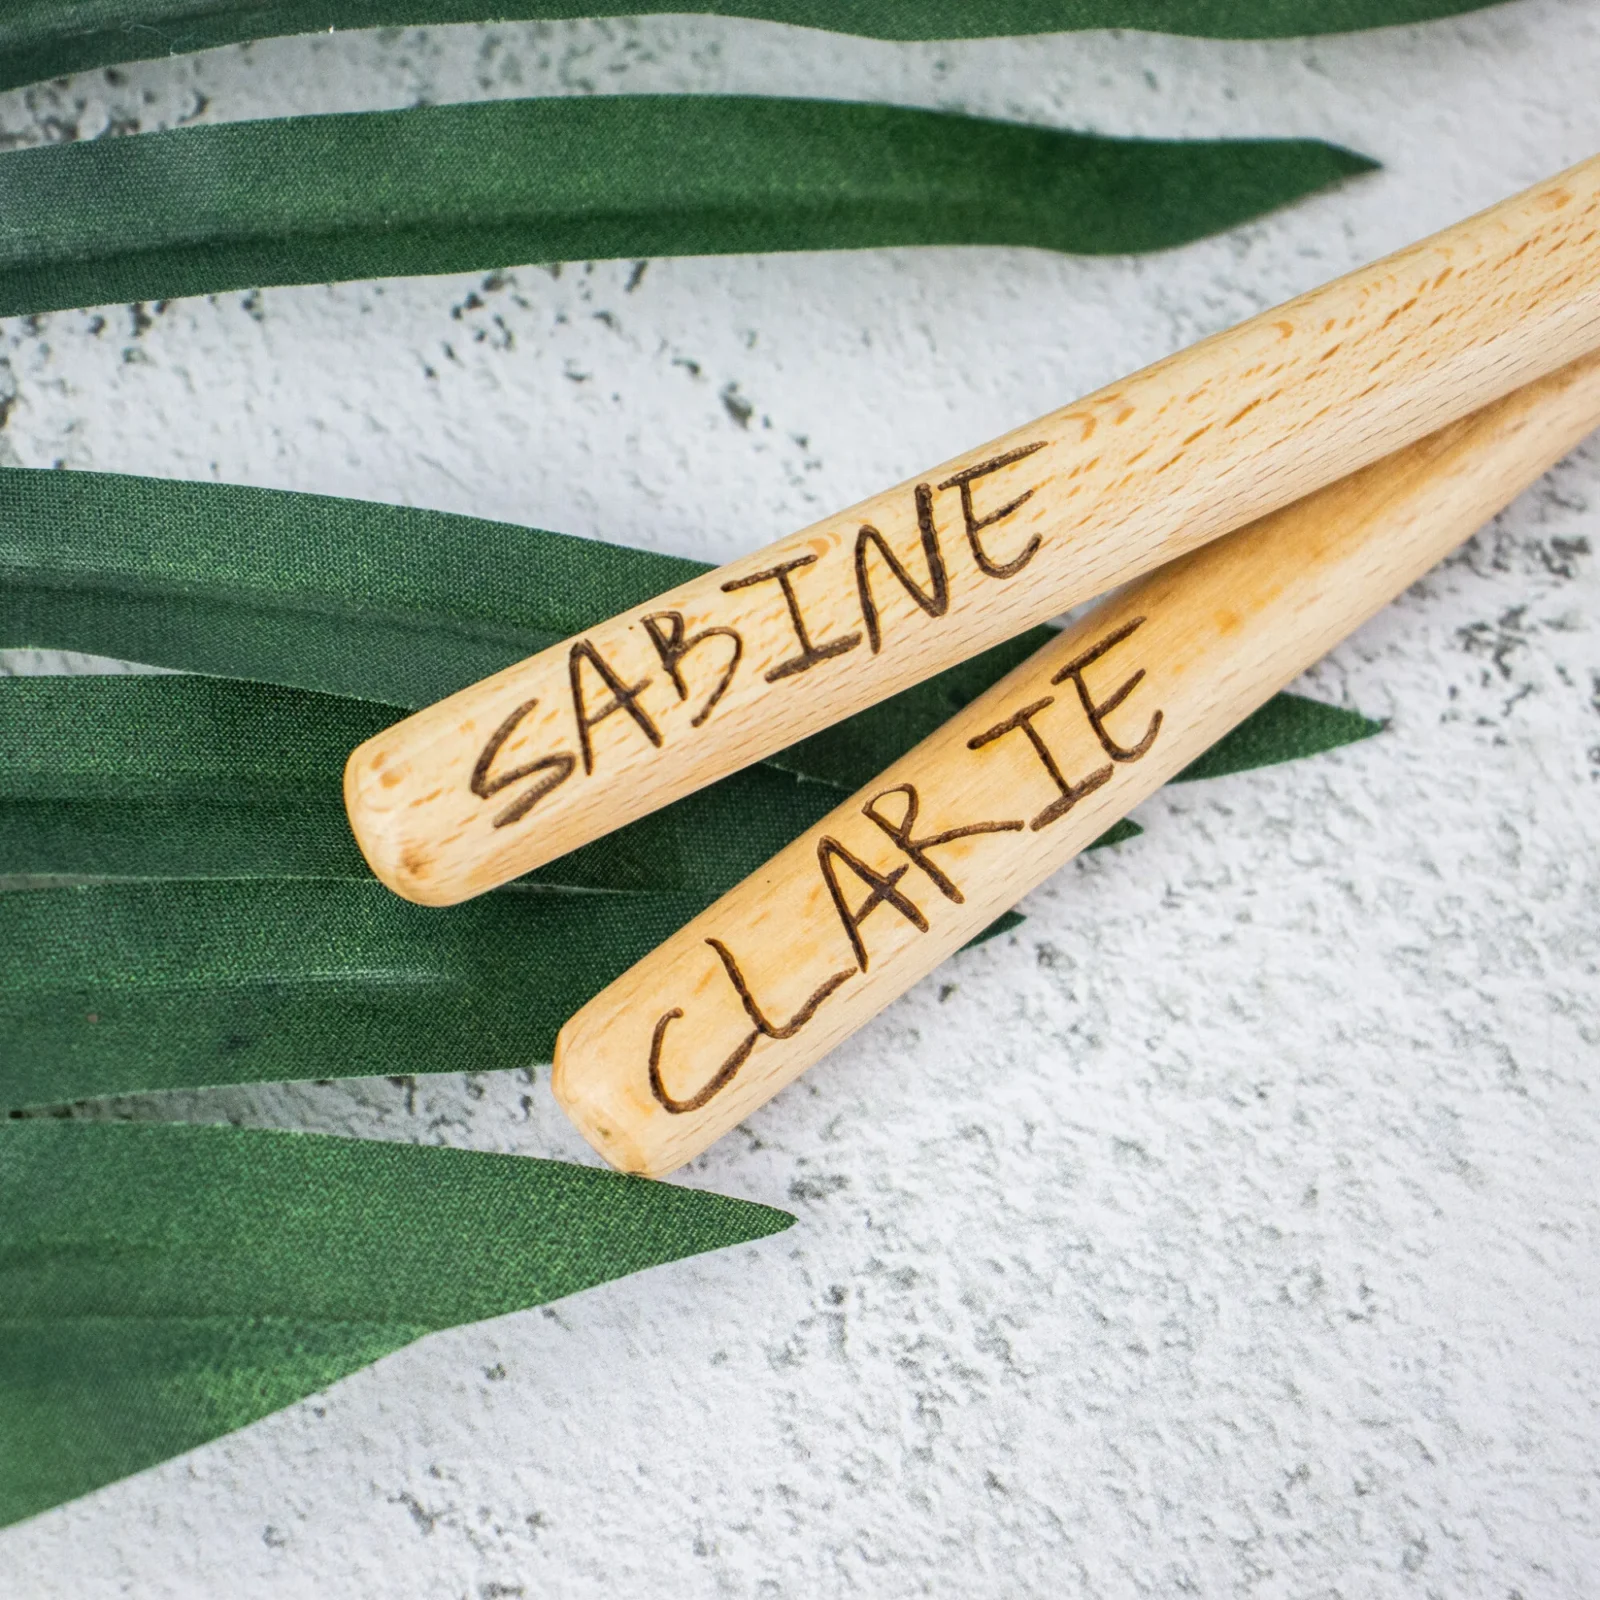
1231,1228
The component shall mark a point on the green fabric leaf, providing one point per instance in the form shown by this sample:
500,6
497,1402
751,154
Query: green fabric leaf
108,988
1286,728
1013,919
161,1286
192,778
463,187
343,597
340,596
49,38
112,987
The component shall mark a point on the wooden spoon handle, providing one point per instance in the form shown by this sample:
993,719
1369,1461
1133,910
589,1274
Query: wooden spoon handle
855,911
726,669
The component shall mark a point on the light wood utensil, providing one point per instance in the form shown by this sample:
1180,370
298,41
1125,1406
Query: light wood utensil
726,669
839,923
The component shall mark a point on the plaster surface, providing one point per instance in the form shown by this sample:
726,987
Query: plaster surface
1228,1229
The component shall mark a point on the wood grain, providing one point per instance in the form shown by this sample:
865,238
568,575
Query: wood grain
705,1029
668,697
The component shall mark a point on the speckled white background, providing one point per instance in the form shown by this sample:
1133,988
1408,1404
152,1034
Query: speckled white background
1233,1227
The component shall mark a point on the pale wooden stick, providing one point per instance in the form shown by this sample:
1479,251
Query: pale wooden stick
733,666
855,911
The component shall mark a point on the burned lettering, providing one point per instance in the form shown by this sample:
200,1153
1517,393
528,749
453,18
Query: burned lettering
1069,793
666,630
975,524
1098,711
762,1028
810,654
624,697
934,600
882,889
917,849
557,769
